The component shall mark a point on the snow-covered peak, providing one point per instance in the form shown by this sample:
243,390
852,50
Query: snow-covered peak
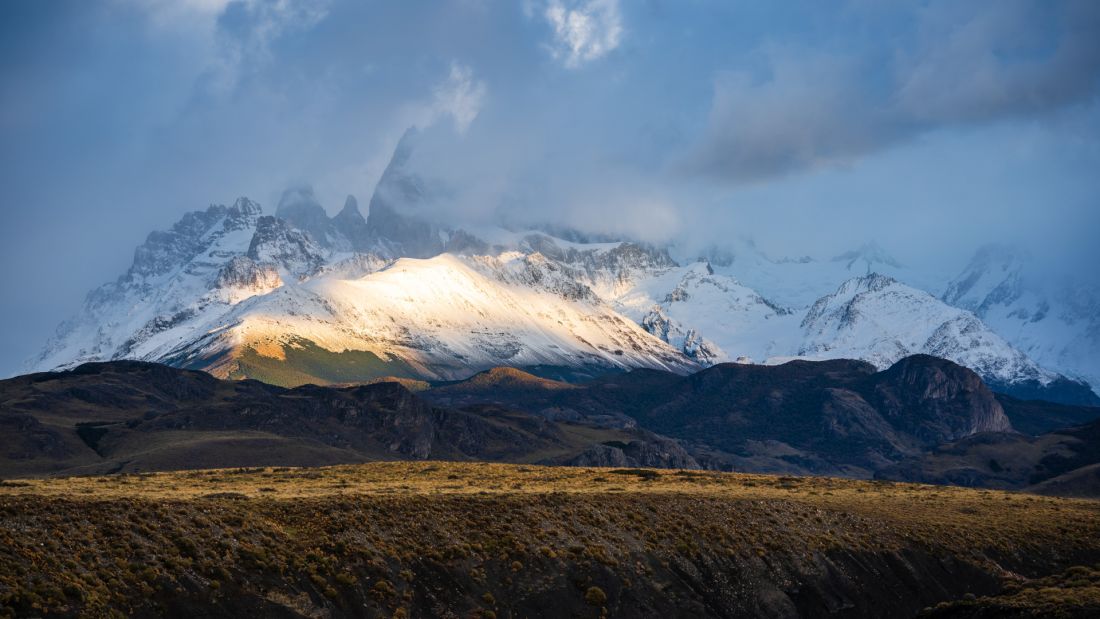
869,256
710,317
445,317
189,237
1052,317
797,282
994,276
878,319
243,213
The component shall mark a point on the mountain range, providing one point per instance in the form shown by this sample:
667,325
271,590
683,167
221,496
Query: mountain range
300,297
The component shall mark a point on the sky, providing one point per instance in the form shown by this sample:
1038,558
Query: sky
810,127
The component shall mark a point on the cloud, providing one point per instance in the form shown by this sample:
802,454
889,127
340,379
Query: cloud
583,30
999,62
812,107
809,112
231,35
460,96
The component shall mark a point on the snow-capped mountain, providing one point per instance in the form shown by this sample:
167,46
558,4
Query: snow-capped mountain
797,282
1054,320
304,297
881,320
228,301
710,317
178,277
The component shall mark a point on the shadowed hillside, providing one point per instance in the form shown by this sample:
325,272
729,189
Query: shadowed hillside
1063,462
832,417
128,416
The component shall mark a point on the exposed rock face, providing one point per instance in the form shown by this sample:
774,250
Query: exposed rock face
538,272
357,265
350,224
391,221
276,242
462,242
601,266
197,231
300,208
403,235
244,272
936,400
656,452
690,342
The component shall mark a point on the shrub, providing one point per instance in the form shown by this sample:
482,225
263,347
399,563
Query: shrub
383,588
595,596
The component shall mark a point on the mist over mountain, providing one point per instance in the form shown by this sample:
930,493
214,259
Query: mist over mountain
301,297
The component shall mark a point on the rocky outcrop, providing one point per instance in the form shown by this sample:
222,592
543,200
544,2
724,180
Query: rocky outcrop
349,222
936,400
165,251
391,221
244,272
650,451
276,242
300,208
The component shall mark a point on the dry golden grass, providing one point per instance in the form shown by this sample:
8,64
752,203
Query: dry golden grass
921,503
502,534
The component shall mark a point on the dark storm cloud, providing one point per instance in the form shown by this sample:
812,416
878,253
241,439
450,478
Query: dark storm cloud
959,64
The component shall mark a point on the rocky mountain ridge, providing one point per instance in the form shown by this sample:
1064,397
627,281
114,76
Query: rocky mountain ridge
301,297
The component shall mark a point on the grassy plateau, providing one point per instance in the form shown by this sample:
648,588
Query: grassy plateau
438,539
